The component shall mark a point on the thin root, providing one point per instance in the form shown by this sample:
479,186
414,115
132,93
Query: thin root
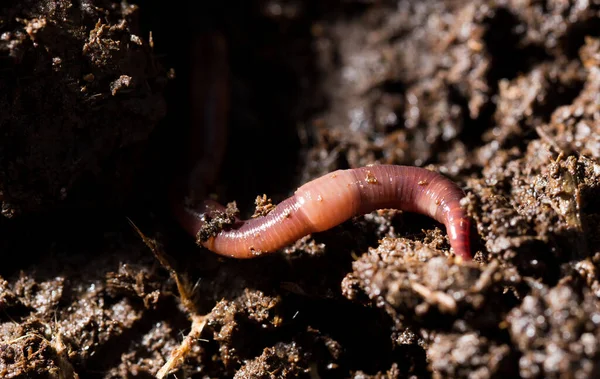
178,355
444,301
186,292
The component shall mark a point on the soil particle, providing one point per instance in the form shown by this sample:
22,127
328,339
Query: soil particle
134,281
468,356
294,359
80,77
556,330
39,296
264,205
526,102
416,286
558,26
232,321
392,373
54,324
574,128
29,351
281,361
540,200
148,354
215,222
391,105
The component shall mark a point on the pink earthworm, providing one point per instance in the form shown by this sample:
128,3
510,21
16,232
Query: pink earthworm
206,142
334,198
317,205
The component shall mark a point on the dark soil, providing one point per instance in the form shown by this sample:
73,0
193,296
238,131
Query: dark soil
501,96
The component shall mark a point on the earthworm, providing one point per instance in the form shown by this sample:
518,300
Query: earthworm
209,94
316,206
332,199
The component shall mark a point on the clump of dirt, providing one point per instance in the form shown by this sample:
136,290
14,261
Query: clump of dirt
500,96
411,279
469,354
216,221
556,331
80,89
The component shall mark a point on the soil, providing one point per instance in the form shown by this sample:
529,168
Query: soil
502,97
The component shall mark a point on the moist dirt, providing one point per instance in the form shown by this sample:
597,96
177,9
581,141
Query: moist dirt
503,97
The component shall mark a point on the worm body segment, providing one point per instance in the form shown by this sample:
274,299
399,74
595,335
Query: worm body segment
209,93
334,198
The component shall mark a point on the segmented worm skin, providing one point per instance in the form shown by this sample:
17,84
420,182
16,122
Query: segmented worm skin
209,93
334,198
316,206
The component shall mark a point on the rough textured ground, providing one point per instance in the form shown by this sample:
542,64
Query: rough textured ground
501,96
